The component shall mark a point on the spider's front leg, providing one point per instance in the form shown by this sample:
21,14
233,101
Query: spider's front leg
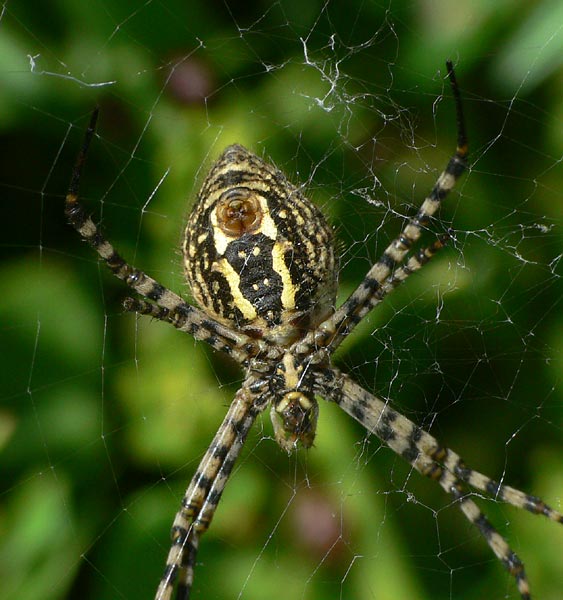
436,462
205,489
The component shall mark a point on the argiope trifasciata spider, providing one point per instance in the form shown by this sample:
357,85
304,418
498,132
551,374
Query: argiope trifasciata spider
260,262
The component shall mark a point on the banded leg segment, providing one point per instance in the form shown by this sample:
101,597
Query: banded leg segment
510,560
505,493
203,519
194,320
240,347
399,275
81,221
432,460
205,489
332,331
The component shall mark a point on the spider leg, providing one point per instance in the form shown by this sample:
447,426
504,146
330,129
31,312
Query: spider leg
455,465
205,489
510,560
193,320
237,345
332,331
414,263
202,521
432,460
400,274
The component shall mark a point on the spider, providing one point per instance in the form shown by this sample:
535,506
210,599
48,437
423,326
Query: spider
260,262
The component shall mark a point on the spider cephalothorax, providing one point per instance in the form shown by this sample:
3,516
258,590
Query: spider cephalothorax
260,263
294,409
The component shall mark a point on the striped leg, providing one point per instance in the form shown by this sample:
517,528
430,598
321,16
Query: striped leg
452,485
426,455
193,320
331,333
205,489
238,346
455,465
400,274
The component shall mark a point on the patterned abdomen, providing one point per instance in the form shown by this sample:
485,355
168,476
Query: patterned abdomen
258,255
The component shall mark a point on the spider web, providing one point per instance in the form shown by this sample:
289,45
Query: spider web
103,417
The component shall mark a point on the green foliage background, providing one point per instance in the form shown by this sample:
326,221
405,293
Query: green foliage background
103,418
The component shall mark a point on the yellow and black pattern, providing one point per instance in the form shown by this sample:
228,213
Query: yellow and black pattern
260,262
432,460
206,487
171,305
370,292
258,255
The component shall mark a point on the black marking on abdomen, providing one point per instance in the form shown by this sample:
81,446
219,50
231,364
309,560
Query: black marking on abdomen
260,284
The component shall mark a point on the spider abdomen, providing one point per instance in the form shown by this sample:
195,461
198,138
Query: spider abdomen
258,255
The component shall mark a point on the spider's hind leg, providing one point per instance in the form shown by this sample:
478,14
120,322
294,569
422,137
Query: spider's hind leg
171,306
400,274
89,231
369,293
188,319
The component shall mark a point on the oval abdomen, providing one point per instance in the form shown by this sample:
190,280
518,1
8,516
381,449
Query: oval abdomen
258,255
